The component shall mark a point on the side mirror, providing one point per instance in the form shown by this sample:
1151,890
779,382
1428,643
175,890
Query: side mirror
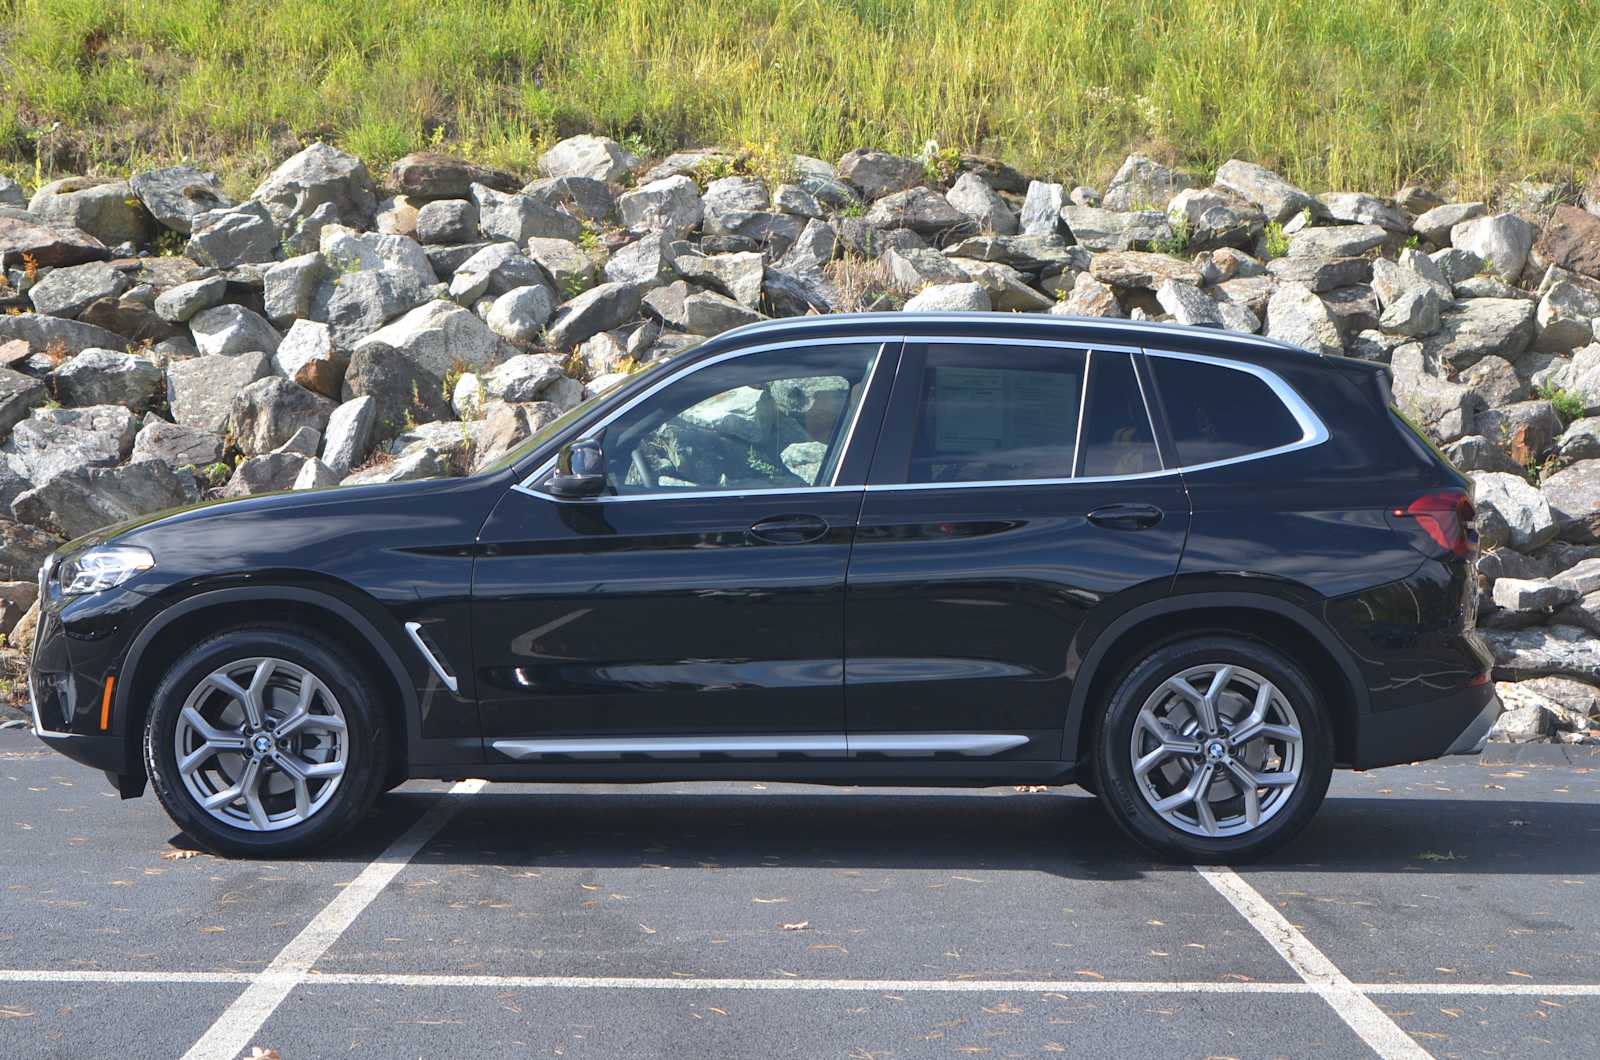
580,471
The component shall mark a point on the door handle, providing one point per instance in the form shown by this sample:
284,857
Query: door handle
790,529
1126,516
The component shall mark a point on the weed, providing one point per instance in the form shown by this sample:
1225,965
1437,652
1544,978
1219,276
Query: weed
940,165
1176,244
1276,243
1568,406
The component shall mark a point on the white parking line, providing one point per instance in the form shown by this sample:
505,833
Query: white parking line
233,1030
890,986
1358,1011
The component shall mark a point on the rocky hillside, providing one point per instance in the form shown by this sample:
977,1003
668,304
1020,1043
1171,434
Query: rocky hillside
162,342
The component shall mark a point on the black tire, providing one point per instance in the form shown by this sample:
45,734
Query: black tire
367,743
1129,806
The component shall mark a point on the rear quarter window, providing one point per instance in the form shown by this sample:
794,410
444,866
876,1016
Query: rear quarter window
1220,413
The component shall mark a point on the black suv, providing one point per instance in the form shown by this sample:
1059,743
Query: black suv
1189,570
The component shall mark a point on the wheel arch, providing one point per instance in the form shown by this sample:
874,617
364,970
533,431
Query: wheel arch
204,613
1275,622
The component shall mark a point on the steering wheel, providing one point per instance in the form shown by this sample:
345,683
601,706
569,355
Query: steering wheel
646,475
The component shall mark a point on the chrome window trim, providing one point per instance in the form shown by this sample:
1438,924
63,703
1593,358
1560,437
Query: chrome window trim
1313,431
1083,402
526,485
855,418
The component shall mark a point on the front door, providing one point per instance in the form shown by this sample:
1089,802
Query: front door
696,608
995,519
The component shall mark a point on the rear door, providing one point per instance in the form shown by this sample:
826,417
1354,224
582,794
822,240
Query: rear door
996,518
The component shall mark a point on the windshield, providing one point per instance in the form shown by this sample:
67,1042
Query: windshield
561,423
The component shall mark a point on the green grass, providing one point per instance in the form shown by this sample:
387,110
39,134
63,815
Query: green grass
1362,94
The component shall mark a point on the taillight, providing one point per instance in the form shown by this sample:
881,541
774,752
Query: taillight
1438,522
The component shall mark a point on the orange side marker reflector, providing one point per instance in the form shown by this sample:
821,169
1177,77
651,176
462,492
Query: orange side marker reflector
105,704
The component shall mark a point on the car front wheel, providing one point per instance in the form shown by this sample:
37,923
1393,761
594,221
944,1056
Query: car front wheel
260,743
1214,749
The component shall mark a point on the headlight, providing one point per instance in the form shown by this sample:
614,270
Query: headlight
100,569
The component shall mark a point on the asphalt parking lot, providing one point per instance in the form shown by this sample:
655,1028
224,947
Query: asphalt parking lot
1447,909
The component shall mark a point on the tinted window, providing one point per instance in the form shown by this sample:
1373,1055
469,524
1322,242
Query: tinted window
1117,439
770,420
996,413
1217,413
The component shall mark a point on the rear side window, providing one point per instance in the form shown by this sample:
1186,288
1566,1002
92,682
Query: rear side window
1117,439
997,413
1220,413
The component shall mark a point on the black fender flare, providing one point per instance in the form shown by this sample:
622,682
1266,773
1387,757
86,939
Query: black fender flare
1078,701
346,613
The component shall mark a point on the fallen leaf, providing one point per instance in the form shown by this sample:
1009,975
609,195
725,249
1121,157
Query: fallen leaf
797,926
1449,855
179,855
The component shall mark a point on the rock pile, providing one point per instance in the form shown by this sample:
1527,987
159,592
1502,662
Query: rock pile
334,328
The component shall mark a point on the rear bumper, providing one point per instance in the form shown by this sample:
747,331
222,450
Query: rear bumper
1456,724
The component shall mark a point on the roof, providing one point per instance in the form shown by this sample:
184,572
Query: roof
1109,331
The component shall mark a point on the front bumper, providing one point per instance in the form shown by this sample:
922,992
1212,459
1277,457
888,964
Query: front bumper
1456,724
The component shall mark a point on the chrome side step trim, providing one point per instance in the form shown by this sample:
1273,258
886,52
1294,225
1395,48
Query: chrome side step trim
822,745
923,745
414,630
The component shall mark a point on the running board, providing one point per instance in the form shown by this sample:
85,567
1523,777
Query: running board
891,745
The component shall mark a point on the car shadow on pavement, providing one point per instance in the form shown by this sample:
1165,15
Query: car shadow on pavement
1062,833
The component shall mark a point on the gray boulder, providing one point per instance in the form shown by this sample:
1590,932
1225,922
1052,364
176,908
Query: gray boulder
1278,199
1530,594
1511,512
570,269
595,157
1349,207
177,304
309,357
672,204
1435,224
1574,497
492,271
12,195
104,209
517,218
914,268
403,364
289,288
1103,230
23,549
602,308
1141,183
1041,209
66,292
1089,298
265,473
1481,326
1338,241
1566,314
970,196
1580,441
229,329
424,176
319,175
525,377
646,261
200,390
1139,269
1543,651
879,173
1503,240
81,500
1297,316
356,304
19,395
267,413
1214,218
448,221
107,377
583,197
347,438
51,441
521,314
951,297
709,313
175,444
22,234
737,275
232,236
1187,305
176,195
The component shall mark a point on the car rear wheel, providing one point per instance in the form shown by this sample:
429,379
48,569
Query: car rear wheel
1214,749
260,742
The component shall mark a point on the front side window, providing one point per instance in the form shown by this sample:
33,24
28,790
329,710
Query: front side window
1220,413
997,413
776,419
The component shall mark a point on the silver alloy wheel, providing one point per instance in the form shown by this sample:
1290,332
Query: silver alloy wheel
1217,750
261,744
